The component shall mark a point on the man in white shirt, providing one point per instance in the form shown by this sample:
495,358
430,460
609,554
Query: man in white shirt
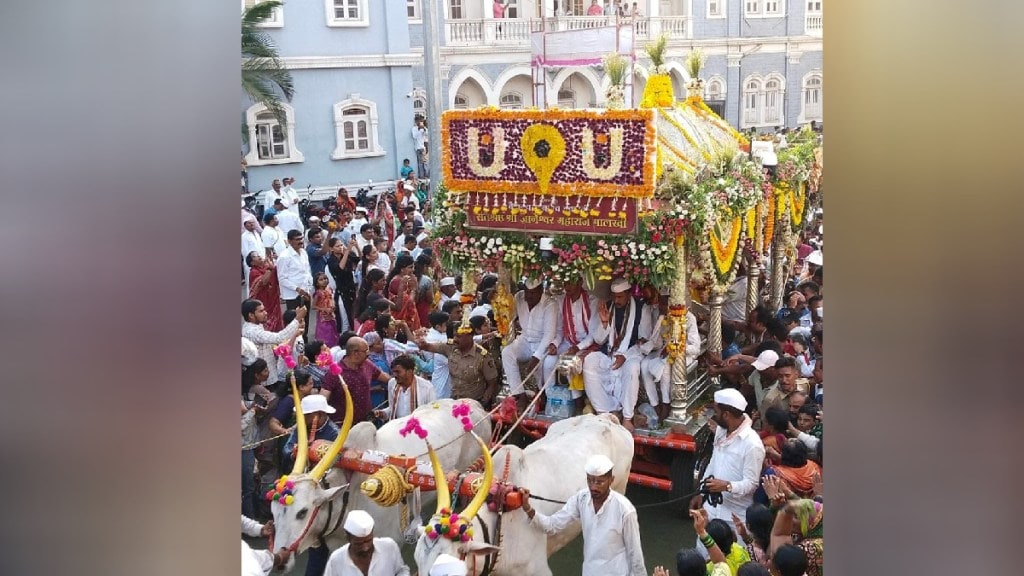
448,290
271,195
655,368
734,308
255,314
251,242
574,316
365,555
383,260
735,463
288,220
275,242
406,390
294,274
419,141
611,533
290,196
612,376
358,219
438,334
536,318
410,246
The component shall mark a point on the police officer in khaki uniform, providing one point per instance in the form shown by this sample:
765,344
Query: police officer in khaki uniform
473,371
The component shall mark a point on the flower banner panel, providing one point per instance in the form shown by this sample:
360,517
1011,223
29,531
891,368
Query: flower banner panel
559,215
557,152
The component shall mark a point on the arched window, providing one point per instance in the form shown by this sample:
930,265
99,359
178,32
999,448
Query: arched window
511,101
355,125
774,101
460,101
268,142
419,102
812,109
714,90
751,103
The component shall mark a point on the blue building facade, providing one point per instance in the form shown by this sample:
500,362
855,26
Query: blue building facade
351,118
359,76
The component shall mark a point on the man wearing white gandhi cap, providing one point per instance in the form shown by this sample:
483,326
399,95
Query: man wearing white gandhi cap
611,534
365,555
536,317
611,375
735,463
447,565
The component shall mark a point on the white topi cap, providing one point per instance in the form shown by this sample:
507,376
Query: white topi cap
815,258
533,283
359,524
621,285
598,465
731,397
447,281
447,565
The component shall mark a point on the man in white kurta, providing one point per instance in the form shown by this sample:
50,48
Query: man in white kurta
612,377
377,556
656,368
735,463
275,242
611,533
406,391
536,319
575,311
251,242
255,314
438,334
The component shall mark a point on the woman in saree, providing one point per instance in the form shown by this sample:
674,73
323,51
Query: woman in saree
263,286
800,522
401,285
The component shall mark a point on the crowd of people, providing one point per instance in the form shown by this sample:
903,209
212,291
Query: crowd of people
363,285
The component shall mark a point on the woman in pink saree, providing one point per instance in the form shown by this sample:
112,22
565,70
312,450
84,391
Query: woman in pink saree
263,286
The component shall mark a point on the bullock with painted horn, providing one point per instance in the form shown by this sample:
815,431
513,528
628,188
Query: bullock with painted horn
298,498
504,542
455,449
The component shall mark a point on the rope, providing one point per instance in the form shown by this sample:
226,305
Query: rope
536,397
386,486
255,444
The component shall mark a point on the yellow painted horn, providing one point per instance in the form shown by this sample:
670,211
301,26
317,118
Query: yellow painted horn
444,498
481,495
335,449
300,427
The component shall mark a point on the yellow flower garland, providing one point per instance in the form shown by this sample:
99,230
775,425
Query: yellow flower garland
723,256
798,199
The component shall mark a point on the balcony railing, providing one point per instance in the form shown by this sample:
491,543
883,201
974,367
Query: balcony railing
813,25
516,32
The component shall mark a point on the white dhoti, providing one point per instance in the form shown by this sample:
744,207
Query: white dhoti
610,390
657,377
520,350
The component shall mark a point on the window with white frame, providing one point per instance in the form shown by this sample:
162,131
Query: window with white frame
275,21
412,9
511,101
714,90
355,126
814,6
751,103
460,101
774,99
269,143
512,9
347,13
812,98
455,10
715,9
566,99
419,102
764,8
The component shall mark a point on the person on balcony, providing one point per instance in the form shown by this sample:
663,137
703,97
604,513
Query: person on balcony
595,9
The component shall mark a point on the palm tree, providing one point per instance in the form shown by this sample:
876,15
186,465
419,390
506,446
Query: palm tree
264,79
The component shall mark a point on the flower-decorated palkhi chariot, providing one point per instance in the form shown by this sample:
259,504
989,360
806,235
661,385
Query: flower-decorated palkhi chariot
666,194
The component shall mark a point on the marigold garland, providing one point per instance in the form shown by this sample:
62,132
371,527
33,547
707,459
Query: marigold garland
724,256
798,200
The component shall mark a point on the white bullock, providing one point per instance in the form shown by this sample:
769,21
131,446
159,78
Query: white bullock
552,468
318,508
